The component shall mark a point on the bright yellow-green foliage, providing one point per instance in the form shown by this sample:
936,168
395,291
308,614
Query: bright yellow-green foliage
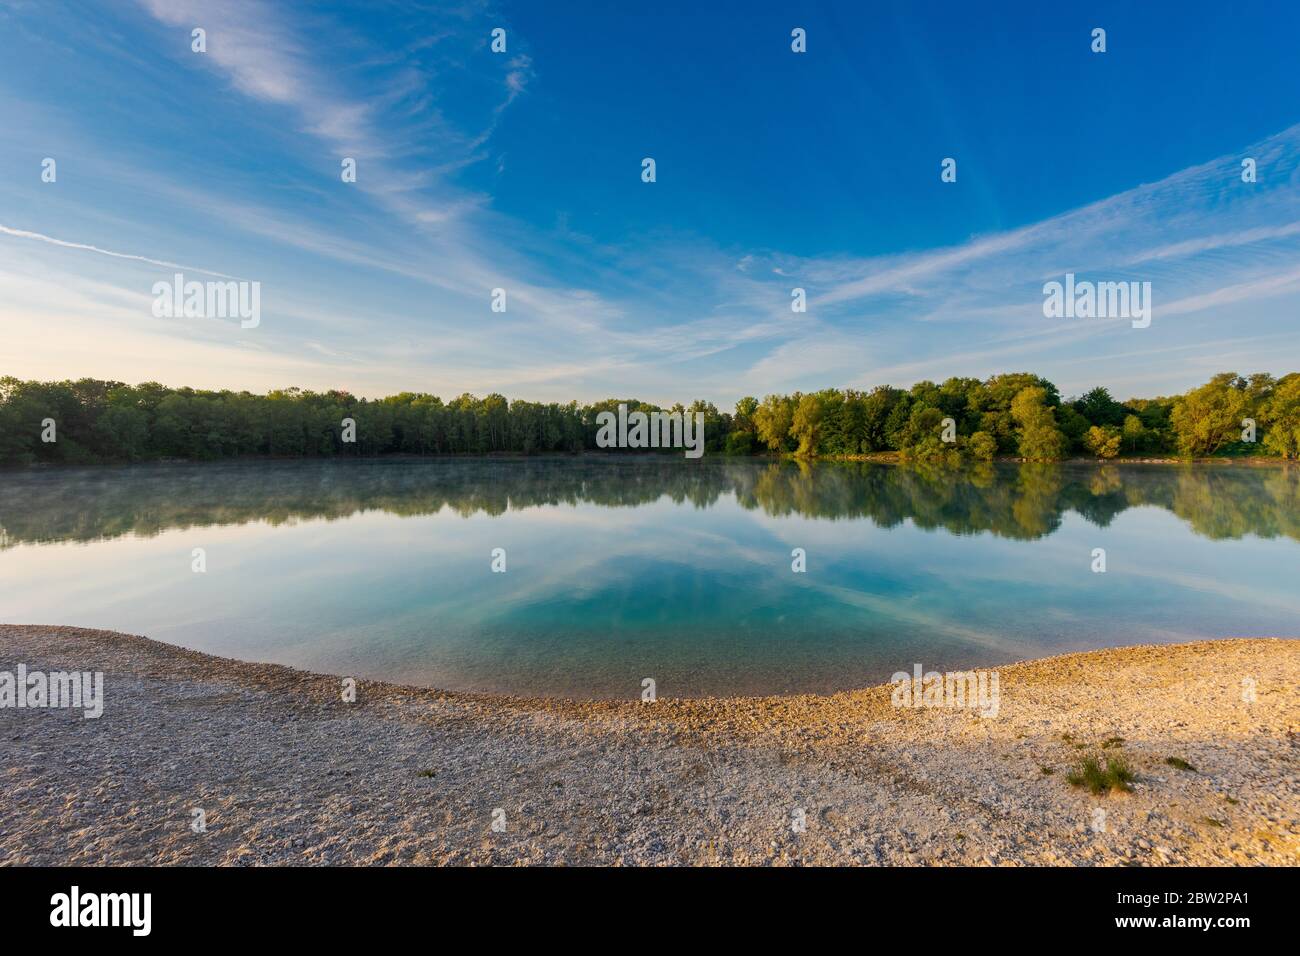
1103,440
772,421
982,446
1209,417
805,425
1281,415
1040,439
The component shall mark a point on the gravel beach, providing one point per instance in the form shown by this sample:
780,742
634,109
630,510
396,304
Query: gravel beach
286,772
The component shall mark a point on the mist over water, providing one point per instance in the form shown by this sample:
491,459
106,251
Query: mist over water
626,567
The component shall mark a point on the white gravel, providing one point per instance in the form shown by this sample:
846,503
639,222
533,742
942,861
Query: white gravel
286,772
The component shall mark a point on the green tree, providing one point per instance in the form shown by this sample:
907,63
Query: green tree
1209,417
124,431
1281,417
1038,437
982,446
772,421
924,422
1073,426
1099,408
1134,434
806,424
743,420
1103,440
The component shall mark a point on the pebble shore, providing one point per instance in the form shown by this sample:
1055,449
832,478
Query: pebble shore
286,772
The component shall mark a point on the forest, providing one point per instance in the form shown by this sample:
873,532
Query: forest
1015,415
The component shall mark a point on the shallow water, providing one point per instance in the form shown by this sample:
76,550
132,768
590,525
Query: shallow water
621,568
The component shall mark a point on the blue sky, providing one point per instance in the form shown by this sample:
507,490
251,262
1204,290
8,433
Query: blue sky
521,170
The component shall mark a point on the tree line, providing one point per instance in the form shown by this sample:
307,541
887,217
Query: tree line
1013,415
1023,415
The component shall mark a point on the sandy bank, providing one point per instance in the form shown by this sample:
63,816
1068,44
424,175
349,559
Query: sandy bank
286,772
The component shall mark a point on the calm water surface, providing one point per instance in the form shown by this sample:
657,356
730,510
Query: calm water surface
620,568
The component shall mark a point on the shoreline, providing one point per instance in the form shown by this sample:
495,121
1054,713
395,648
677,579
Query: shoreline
287,773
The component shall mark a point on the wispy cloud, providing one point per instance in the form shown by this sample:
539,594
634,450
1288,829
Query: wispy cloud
36,236
1208,203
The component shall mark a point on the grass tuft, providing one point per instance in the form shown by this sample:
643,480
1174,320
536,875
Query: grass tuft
1114,776
1180,763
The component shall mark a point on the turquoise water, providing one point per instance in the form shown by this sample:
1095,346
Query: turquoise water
620,568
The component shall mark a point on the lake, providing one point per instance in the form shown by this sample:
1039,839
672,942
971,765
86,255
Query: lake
623,567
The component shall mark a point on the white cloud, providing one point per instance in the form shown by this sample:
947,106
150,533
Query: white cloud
38,237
